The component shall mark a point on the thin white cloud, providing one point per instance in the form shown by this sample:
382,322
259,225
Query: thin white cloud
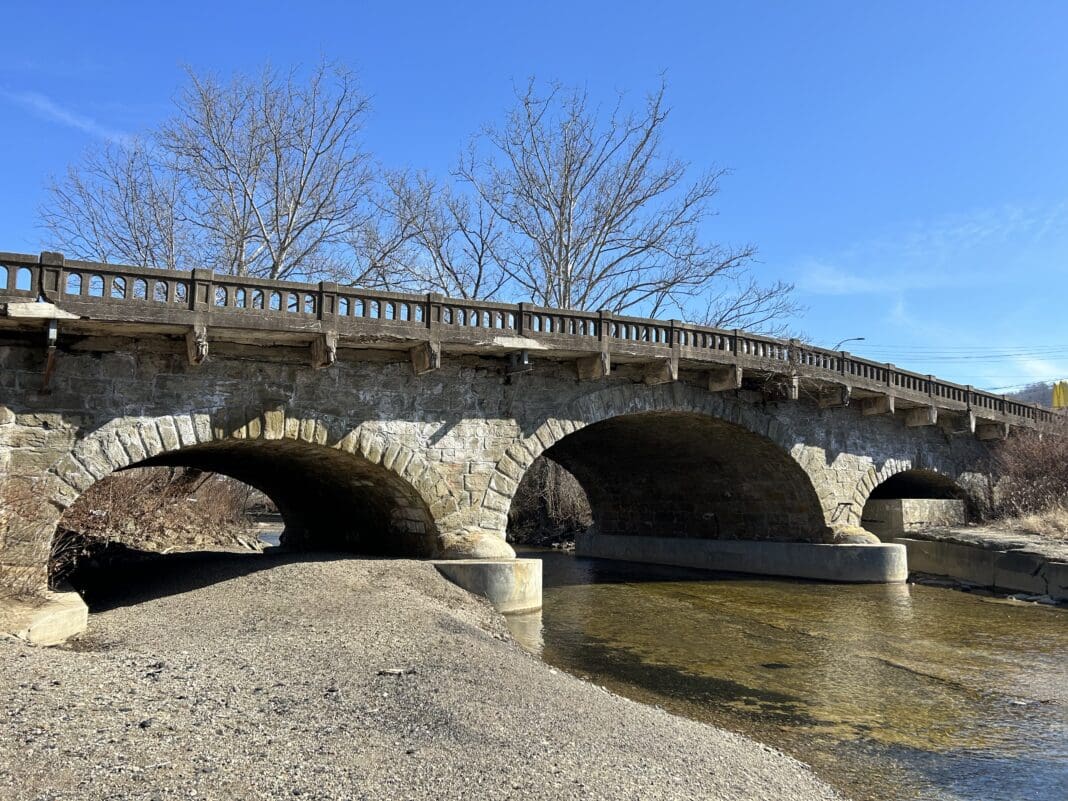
47,108
827,279
957,248
1033,369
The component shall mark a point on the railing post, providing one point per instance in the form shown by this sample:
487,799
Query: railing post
327,303
793,353
604,324
969,398
843,357
890,370
521,319
736,343
930,385
49,278
432,313
202,287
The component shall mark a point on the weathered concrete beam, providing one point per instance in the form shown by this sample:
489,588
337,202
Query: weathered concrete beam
725,378
196,344
662,371
425,357
923,416
992,431
30,310
883,404
593,368
324,349
836,397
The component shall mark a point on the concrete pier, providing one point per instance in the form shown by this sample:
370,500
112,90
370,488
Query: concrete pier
511,585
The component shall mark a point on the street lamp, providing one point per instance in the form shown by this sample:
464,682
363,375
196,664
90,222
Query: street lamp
851,339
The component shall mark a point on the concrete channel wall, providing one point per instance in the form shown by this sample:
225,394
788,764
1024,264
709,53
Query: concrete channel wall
888,518
1005,570
878,564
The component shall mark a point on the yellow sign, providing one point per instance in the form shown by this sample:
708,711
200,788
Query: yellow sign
1060,395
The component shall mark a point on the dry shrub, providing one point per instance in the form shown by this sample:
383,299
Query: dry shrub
1031,484
1032,474
154,509
20,503
549,507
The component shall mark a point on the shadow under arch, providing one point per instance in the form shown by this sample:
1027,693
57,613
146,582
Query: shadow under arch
913,499
328,498
918,483
686,474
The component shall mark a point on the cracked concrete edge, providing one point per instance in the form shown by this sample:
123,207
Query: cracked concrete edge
1009,570
48,620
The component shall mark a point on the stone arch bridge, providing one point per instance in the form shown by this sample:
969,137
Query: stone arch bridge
403,424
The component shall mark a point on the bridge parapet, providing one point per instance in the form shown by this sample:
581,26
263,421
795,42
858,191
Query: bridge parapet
146,298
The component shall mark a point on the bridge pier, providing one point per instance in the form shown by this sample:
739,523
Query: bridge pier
511,585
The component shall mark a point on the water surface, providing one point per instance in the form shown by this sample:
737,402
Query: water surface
900,692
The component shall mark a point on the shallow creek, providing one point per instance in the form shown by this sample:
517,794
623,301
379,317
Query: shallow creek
896,692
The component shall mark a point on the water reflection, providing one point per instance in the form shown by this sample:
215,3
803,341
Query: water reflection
890,691
527,630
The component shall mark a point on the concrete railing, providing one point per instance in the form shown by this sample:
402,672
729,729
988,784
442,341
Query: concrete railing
106,292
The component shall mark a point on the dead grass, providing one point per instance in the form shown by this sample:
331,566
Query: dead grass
1051,523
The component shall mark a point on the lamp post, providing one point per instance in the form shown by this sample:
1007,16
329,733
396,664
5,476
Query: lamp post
850,339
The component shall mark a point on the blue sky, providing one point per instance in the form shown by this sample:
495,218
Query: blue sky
905,165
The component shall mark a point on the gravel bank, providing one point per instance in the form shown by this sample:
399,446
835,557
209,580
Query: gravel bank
330,678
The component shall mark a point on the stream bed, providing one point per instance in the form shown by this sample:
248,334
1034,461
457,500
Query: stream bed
898,692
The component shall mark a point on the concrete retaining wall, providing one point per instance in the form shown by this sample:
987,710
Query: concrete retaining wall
884,563
1009,571
896,517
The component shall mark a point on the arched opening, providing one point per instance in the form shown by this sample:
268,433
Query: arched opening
913,500
154,510
328,499
684,475
549,508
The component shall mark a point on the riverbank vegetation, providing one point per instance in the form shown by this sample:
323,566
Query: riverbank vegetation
154,510
550,507
1029,490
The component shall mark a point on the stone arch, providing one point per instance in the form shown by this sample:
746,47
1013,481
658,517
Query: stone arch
365,453
876,477
909,499
661,402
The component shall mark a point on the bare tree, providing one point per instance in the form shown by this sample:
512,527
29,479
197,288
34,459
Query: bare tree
595,215
275,164
265,175
744,303
120,205
437,240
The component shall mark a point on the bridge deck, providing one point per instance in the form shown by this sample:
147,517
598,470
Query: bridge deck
92,297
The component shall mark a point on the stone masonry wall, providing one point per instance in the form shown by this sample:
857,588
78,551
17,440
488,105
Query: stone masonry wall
447,448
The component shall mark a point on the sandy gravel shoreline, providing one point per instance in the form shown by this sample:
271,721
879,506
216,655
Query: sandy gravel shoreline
325,678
